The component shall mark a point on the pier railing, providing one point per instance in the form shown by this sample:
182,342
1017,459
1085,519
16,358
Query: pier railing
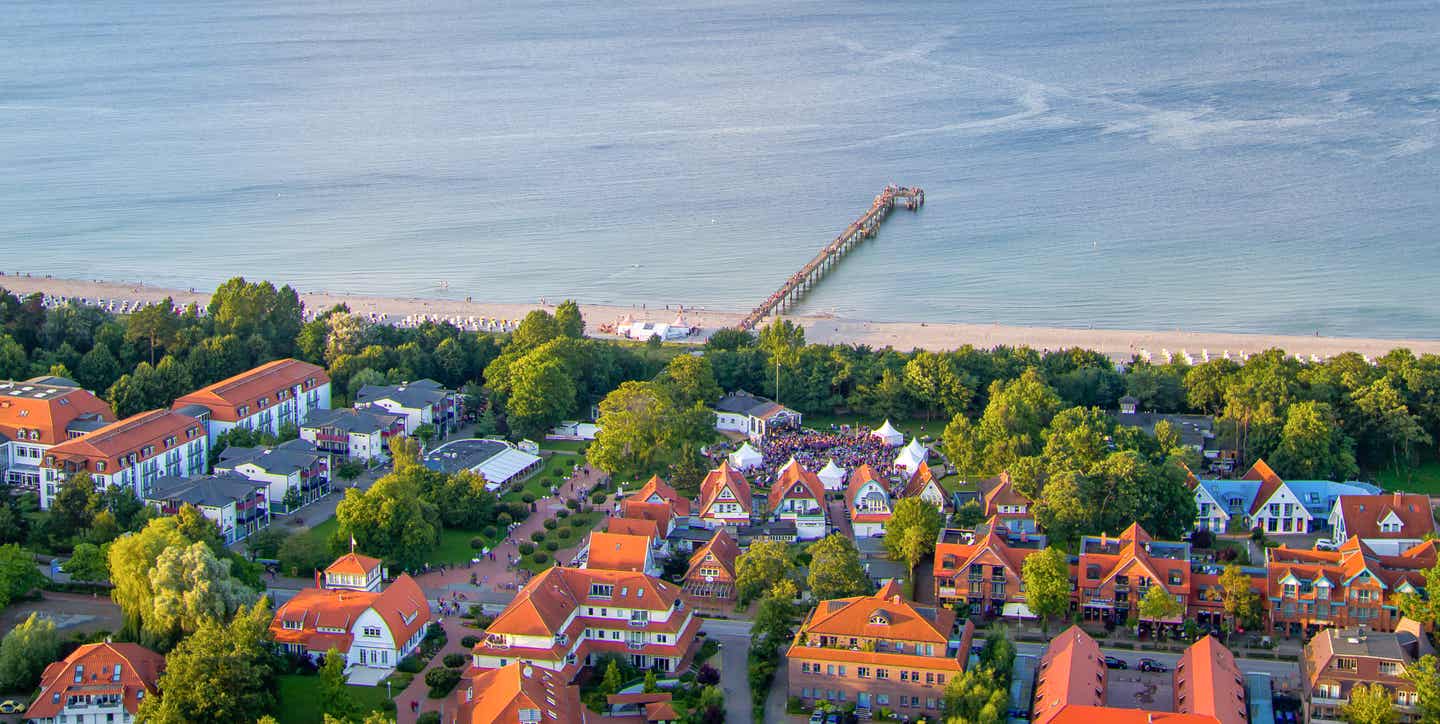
795,288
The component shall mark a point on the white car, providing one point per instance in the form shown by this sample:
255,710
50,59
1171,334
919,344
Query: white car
1325,544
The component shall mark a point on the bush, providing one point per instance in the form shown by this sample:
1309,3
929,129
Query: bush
537,536
580,521
518,511
540,558
469,642
489,531
1202,539
562,513
441,681
551,524
552,546
566,533
410,665
503,519
436,632
527,496
707,649
526,548
477,543
429,717
455,661
597,497
707,676
572,504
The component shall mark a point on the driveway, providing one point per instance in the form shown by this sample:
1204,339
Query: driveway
734,638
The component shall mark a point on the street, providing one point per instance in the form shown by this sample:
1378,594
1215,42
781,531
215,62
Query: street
1277,669
734,638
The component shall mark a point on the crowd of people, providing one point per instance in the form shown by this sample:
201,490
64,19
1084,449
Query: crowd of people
813,449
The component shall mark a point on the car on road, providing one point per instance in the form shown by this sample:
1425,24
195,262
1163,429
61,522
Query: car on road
1115,662
1325,545
1148,664
818,717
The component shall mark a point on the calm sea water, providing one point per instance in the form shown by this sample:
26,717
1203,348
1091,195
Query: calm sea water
1240,166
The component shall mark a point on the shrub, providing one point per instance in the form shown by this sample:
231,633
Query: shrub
435,632
707,676
489,531
707,649
526,548
441,681
410,665
429,717
572,504
580,521
518,511
562,513
470,641
566,533
503,519
477,543
551,524
540,557
527,496
597,497
1202,539
552,546
537,536
455,661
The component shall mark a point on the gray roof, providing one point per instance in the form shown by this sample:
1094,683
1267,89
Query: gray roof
362,420
1195,430
414,395
52,381
195,410
34,390
744,403
86,423
463,455
286,458
1353,642
211,490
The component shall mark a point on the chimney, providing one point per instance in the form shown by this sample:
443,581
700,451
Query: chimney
317,578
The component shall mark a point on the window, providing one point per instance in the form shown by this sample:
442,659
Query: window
882,674
529,715
829,669
1390,668
372,631
862,672
1345,664
904,675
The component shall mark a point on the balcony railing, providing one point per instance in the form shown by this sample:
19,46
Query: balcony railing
634,645
639,623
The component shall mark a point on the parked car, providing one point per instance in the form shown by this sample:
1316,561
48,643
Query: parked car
1325,545
1148,664
1112,662
818,717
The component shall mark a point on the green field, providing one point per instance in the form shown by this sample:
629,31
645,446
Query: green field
910,426
1423,478
300,699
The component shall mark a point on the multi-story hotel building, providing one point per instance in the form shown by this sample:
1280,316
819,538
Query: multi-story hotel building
264,399
1308,590
136,453
983,568
38,414
1115,573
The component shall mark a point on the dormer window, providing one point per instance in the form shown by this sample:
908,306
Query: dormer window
879,618
601,590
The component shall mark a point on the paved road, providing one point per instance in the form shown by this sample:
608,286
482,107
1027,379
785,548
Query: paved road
1277,669
734,638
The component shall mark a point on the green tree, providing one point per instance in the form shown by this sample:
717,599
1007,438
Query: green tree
1389,432
219,673
1313,445
1205,384
613,680
568,319
1011,428
974,696
134,556
1047,584
74,505
87,564
18,574
155,324
25,652
642,431
191,585
1241,604
13,362
1370,704
98,368
1159,605
933,379
651,684
835,569
537,328
541,395
759,567
1423,674
390,519
912,531
335,698
1426,608
691,380
781,341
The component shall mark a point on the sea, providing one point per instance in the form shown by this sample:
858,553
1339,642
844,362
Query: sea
1222,165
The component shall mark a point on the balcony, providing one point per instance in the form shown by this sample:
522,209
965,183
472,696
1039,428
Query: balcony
635,645
639,623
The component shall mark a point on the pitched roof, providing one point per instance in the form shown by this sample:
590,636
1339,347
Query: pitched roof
283,459
657,490
919,480
724,549
858,478
718,480
121,669
1071,673
1363,515
497,696
634,526
618,551
861,616
401,605
353,564
411,395
795,481
659,514
1000,491
247,388
1269,483
365,420
210,491
131,435
45,410
744,403
543,605
991,542
1207,682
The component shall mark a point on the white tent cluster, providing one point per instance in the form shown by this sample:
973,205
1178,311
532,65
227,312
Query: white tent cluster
912,455
889,435
832,476
746,458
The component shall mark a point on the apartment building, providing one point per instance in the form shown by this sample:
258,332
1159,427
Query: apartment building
104,682
263,399
999,499
38,414
135,453
1338,659
1308,590
711,575
1388,519
515,693
983,569
292,472
358,434
237,505
422,402
1261,499
1115,573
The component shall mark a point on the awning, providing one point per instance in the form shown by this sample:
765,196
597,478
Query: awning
1018,610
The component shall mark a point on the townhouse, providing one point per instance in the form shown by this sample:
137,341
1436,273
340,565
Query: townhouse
867,502
878,651
358,434
1392,520
725,498
104,682
295,473
38,414
982,568
422,402
237,505
564,617
922,484
515,693
1308,590
1113,574
264,399
798,495
1336,660
352,611
1260,499
1000,500
134,453
711,575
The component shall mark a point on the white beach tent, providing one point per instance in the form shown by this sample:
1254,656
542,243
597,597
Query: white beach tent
910,458
832,476
746,458
889,435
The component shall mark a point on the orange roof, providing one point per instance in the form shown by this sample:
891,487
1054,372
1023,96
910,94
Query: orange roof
546,602
656,490
1269,483
138,670
129,436
498,696
722,548
1208,682
919,480
1363,515
247,389
886,614
353,564
1072,672
618,552
634,526
1002,492
720,479
402,605
1080,714
659,514
44,419
989,549
798,483
660,711
858,478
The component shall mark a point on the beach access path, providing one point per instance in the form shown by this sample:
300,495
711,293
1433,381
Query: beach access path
904,336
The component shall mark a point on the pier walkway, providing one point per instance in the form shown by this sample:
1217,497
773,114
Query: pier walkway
794,288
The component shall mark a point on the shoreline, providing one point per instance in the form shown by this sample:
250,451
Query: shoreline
903,336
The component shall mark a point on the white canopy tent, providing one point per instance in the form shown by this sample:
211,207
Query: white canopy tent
889,435
833,476
911,457
746,458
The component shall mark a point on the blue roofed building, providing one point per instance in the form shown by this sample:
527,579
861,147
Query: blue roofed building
1260,499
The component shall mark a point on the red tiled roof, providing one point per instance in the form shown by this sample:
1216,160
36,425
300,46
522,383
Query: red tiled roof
720,479
1071,673
139,670
722,548
902,621
47,417
1269,483
247,388
858,478
543,605
120,439
498,696
796,482
1208,683
617,552
402,605
353,564
656,490
634,526
1363,515
1001,491
659,514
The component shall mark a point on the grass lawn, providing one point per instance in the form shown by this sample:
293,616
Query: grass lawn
1424,478
573,446
589,521
954,484
911,426
300,699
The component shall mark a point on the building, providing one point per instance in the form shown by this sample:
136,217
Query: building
1207,596
237,505
983,569
878,651
293,472
612,551
867,501
104,682
499,462
564,617
263,399
1000,500
1260,499
36,416
134,453
1401,518
922,484
1307,590
725,498
1114,574
752,416
1197,432
797,494
422,402
643,527
515,693
1207,682
657,502
358,434
711,575
1337,659
355,613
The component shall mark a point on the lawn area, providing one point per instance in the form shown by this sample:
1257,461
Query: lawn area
573,446
953,483
1424,478
557,465
300,699
910,426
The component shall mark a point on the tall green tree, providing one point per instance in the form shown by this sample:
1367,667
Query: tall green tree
911,533
391,519
1313,445
835,569
1159,605
568,319
220,673
191,585
1370,704
1047,584
759,567
691,380
1241,603
335,698
156,325
542,394
25,652
933,379
1425,676
1388,431
87,564
18,574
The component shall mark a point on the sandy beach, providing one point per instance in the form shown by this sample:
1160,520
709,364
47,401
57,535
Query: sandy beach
1119,344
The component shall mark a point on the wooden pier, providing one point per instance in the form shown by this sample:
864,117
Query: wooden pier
793,290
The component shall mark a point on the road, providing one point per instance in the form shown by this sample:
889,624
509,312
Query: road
1277,669
734,638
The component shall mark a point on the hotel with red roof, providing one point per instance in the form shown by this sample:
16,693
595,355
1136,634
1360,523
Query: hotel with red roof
38,414
1115,573
1308,590
135,453
265,398
104,682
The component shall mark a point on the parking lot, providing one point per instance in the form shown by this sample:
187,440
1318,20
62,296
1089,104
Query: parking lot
1135,689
